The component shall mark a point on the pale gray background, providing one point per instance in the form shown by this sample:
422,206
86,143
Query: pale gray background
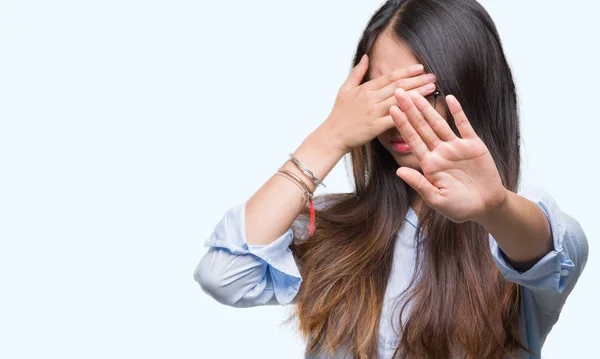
129,127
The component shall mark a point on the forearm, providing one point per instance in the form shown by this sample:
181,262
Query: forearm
275,206
521,230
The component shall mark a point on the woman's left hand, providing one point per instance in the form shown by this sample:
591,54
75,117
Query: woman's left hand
459,178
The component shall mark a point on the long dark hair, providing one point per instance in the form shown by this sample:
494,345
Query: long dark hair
459,301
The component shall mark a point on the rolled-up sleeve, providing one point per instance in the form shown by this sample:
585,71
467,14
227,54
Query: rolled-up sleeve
553,277
242,275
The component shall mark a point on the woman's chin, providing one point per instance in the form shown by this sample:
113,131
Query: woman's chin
407,160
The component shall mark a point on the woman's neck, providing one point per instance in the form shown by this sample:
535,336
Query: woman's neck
416,202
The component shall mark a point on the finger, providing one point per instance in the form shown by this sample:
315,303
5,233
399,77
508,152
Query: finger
416,119
435,120
386,123
406,84
460,119
384,107
408,133
398,74
417,181
425,90
357,73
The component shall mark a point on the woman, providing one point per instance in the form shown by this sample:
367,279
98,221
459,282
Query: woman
436,253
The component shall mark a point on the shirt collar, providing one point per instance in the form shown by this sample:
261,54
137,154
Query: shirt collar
411,217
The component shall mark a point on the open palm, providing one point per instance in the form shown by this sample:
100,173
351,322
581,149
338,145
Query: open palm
459,178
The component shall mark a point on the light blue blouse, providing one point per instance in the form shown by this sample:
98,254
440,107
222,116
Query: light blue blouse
241,275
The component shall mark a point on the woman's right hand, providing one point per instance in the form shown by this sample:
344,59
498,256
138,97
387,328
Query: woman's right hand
361,112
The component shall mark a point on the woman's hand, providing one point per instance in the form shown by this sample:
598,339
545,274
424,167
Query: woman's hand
361,112
460,179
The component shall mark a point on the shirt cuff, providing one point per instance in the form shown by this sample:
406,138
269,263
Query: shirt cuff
551,272
230,234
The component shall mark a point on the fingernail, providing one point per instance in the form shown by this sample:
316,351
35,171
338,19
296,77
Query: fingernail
431,77
430,87
364,56
415,68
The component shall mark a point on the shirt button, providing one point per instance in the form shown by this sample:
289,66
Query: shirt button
564,272
290,290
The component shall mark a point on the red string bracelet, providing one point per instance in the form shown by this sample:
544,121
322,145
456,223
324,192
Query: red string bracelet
316,181
311,227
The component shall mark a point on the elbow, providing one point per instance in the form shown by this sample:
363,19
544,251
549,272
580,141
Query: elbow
578,244
211,281
232,280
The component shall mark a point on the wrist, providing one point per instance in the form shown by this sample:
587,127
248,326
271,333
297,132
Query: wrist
329,140
319,152
495,210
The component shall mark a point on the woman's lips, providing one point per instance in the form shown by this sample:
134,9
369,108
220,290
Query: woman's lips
400,146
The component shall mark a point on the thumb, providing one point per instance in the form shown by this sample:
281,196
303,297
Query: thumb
417,181
357,73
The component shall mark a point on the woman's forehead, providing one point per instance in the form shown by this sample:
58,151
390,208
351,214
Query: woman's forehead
389,53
